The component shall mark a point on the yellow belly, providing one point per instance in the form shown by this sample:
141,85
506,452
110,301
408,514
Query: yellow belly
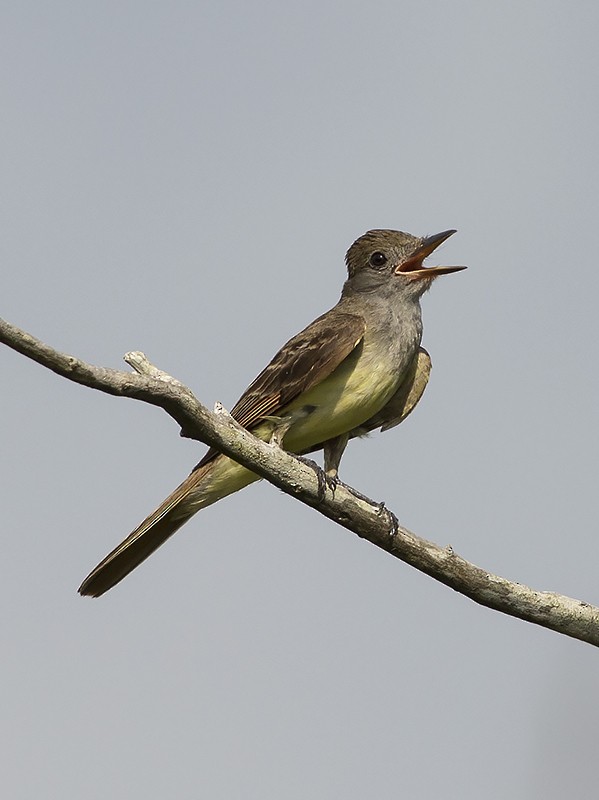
356,390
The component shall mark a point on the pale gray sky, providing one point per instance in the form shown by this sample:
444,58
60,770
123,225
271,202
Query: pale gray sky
162,161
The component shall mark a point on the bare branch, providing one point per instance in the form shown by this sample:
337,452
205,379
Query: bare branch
305,481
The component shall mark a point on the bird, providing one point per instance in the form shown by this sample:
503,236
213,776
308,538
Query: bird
357,368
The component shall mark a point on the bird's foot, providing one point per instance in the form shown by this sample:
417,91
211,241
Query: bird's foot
331,477
394,525
321,476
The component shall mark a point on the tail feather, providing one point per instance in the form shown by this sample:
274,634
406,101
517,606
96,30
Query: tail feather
203,487
128,555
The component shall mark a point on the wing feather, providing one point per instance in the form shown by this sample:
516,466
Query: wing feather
306,360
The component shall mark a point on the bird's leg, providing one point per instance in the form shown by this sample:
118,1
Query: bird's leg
333,450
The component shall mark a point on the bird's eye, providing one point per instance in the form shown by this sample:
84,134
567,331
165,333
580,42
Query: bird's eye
378,259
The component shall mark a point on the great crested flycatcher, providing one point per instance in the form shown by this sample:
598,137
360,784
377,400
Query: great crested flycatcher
354,369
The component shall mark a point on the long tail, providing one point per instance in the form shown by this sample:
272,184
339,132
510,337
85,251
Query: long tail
204,486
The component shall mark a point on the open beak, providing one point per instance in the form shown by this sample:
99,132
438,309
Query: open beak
413,266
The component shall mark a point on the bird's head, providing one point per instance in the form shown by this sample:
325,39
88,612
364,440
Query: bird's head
394,258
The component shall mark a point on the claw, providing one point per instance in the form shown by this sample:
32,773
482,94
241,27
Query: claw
321,477
323,482
331,478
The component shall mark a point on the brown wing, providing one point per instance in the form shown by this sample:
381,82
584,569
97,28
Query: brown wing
306,360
